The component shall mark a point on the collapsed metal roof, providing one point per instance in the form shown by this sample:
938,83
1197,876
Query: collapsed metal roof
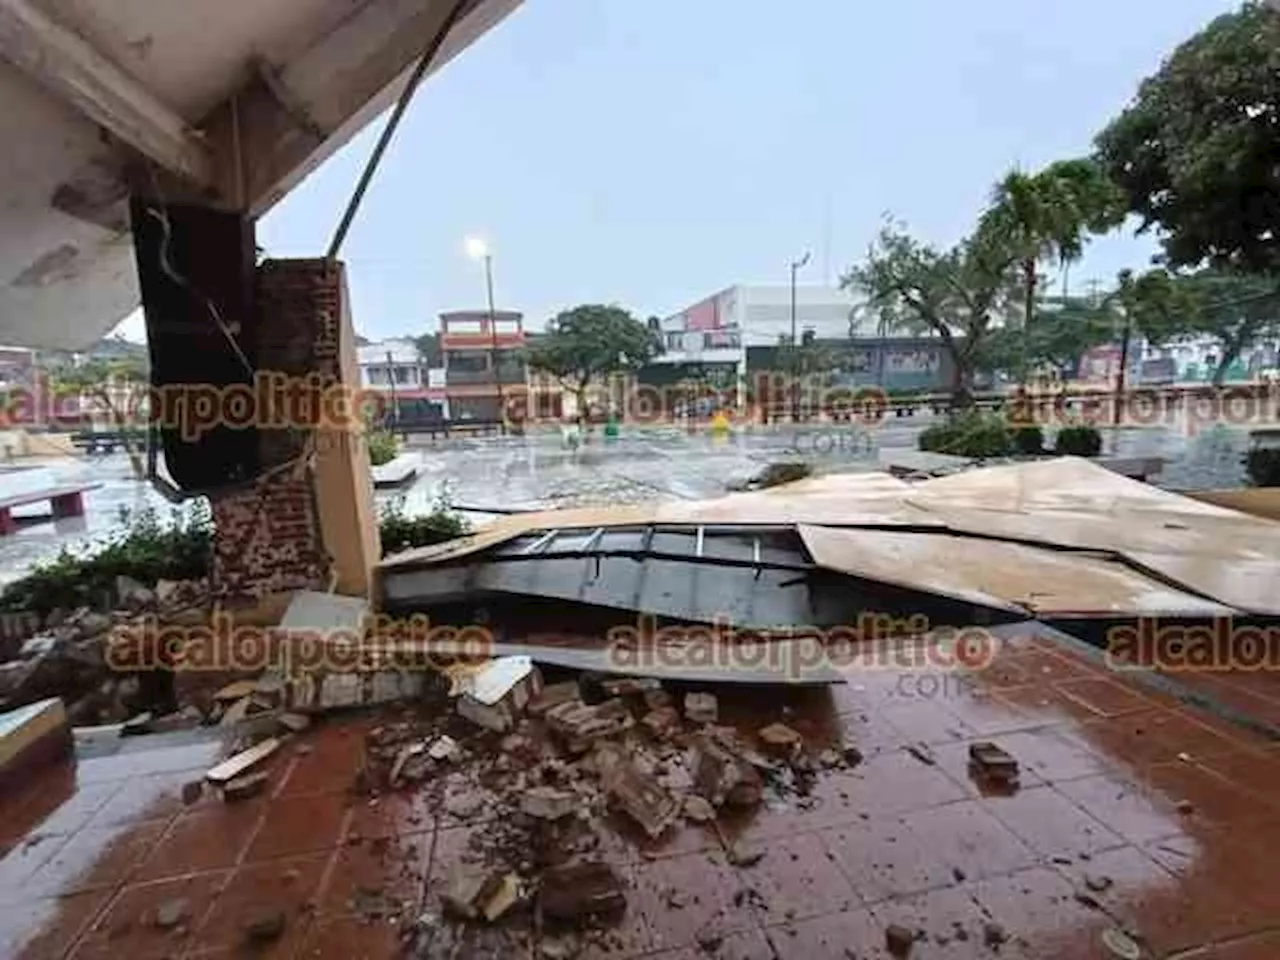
1054,540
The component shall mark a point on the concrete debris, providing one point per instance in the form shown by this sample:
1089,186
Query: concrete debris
559,948
701,708
552,695
722,776
990,762
662,721
236,691
698,809
475,895
496,695
648,804
171,913
657,699
235,765
578,891
580,725
743,854
899,940
242,788
780,740
411,764
1098,883
136,725
548,803
444,749
237,712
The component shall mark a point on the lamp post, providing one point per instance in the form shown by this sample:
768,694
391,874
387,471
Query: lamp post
795,356
477,249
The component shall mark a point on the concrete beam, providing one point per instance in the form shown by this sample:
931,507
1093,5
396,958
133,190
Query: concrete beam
70,68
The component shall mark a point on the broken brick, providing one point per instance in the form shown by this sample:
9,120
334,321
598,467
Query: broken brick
553,695
581,724
780,740
629,686
548,803
991,762
648,804
723,777
899,940
701,707
662,721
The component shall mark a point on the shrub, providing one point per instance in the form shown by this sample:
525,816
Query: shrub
1079,441
969,435
143,548
1028,440
1263,466
398,531
383,447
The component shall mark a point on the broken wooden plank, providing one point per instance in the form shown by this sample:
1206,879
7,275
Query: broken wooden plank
237,764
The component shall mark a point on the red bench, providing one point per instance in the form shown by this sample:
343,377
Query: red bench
65,501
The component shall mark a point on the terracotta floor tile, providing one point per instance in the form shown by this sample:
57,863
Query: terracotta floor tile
386,877
948,923
892,783
144,762
869,732
837,936
328,767
926,721
796,880
706,900
1265,946
1254,771
1045,665
1052,757
1004,672
1138,815
1046,704
391,815
883,858
300,824
350,938
127,928
1106,697
1183,732
1121,741
156,796
747,945
1039,913
203,840
966,838
290,886
45,929
1050,824
1213,798
95,858
953,759
75,810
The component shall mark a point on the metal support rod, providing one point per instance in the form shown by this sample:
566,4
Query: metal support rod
540,544
698,548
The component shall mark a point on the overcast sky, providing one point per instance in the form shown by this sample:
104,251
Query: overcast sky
651,152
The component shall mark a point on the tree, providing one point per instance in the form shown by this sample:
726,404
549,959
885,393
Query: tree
1235,310
1058,338
1195,152
112,386
589,343
1045,217
954,294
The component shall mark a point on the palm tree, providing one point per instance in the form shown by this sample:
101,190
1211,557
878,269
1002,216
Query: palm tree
1047,216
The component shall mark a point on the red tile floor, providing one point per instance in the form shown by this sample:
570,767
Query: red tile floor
1135,812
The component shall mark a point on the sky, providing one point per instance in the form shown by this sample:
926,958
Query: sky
652,152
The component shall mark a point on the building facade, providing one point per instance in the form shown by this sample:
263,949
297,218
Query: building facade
484,368
410,390
745,330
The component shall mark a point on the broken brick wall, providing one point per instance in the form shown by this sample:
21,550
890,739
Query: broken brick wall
268,536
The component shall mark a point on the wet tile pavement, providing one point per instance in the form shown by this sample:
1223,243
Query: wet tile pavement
1135,812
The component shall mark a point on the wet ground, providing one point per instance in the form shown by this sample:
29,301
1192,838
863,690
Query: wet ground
645,463
1139,822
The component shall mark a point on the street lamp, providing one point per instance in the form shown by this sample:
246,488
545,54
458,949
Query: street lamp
795,394
478,249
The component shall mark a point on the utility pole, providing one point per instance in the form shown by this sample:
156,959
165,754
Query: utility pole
395,402
493,341
795,354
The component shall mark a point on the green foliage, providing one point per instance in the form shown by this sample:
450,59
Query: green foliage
383,447
428,347
143,548
397,531
1078,441
970,434
1028,440
1057,338
591,342
1263,466
1233,309
1195,152
953,294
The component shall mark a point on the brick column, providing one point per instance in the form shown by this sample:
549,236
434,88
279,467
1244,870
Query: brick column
308,520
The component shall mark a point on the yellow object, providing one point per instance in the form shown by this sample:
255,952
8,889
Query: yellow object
720,424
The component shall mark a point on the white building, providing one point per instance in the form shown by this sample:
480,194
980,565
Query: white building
394,366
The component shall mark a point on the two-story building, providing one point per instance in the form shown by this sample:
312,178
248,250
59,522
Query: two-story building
484,368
